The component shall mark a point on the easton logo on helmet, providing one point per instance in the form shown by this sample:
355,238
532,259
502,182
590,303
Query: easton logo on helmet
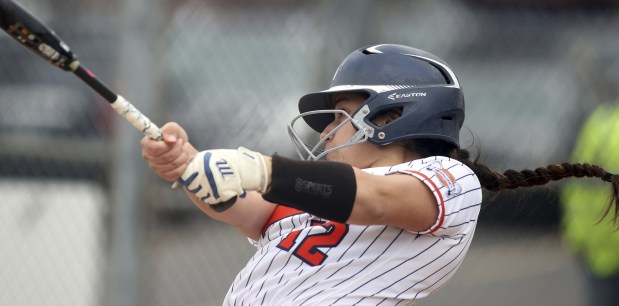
394,96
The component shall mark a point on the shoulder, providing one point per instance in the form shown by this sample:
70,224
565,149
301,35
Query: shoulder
428,162
441,169
456,188
431,165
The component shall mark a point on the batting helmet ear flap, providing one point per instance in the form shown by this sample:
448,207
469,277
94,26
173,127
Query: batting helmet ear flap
386,116
427,112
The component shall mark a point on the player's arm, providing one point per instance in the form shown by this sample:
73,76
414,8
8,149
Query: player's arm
331,190
399,200
248,214
340,192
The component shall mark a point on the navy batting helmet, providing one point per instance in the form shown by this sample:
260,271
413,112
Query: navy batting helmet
418,83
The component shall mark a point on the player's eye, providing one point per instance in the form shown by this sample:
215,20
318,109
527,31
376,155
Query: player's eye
341,113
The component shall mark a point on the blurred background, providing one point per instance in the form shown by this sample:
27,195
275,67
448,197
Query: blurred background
84,222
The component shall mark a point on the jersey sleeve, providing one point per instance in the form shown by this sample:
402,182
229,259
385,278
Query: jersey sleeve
456,189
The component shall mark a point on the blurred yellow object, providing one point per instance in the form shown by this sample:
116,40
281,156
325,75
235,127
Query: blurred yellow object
595,239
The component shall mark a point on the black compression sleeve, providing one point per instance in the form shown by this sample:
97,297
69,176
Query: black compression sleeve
322,188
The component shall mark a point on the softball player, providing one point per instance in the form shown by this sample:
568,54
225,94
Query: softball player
386,219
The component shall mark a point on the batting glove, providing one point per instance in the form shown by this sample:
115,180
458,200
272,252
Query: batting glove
216,176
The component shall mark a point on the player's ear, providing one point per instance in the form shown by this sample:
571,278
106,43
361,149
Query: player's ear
387,116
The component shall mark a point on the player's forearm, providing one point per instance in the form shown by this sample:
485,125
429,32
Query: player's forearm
331,190
248,214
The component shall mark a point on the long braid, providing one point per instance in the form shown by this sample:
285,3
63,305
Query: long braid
511,179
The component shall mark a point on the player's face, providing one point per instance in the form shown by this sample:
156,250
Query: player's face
361,155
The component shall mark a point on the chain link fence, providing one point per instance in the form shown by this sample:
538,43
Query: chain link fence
83,222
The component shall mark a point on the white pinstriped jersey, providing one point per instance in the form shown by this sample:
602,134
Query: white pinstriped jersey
305,260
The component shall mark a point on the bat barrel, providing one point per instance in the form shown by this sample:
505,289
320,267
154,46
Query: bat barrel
34,35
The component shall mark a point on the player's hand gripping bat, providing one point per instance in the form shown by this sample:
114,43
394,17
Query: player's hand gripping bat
34,35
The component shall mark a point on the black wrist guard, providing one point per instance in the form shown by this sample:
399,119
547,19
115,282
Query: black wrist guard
322,188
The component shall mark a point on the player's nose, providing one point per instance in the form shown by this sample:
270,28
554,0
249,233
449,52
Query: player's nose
326,133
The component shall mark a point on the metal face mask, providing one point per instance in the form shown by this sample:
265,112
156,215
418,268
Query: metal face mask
317,151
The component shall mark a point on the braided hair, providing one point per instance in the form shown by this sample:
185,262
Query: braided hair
495,181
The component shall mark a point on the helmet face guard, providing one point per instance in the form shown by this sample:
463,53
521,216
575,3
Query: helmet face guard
421,85
317,151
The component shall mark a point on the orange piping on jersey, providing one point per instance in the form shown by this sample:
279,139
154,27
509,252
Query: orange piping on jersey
440,197
280,212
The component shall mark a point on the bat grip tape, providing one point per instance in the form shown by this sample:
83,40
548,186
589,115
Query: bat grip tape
322,188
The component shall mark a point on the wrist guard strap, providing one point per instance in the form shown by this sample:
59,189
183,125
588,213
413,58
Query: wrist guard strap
322,188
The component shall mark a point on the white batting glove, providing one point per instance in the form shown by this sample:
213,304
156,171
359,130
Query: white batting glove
216,176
